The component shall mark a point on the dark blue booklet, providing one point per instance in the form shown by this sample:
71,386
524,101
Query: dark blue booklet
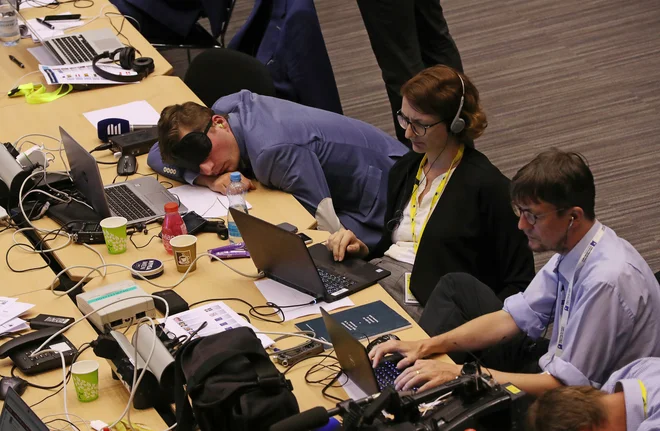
363,321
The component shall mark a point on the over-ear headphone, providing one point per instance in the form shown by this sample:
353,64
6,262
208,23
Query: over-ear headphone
142,65
458,124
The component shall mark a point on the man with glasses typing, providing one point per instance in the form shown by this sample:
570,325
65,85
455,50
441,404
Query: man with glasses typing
597,292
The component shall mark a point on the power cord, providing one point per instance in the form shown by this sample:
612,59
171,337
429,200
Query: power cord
254,309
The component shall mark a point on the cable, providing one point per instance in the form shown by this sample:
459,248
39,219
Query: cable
25,269
293,334
130,237
63,420
254,310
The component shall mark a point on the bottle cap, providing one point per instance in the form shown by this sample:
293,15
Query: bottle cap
148,268
171,207
235,176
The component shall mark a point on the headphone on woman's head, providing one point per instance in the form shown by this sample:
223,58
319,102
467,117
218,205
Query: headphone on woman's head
142,65
458,124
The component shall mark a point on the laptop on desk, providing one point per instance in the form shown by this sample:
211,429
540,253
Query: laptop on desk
284,257
16,415
139,200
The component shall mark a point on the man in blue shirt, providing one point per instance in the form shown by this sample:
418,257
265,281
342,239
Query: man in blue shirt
628,401
598,292
337,167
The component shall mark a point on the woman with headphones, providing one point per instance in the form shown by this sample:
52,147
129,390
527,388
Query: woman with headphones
448,207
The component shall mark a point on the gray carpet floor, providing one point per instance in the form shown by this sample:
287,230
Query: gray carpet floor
577,75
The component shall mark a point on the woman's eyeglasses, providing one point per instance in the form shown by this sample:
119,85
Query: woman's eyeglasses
417,129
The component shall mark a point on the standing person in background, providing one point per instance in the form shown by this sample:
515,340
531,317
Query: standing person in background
407,36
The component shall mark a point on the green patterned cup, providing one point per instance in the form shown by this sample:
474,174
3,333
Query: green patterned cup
114,232
85,376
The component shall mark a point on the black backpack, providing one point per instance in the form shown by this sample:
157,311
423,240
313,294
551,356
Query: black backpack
232,383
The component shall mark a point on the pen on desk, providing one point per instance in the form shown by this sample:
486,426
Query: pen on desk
47,24
15,60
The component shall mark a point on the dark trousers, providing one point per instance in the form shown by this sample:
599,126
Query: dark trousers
407,36
459,298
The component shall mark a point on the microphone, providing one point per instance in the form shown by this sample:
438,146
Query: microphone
310,419
109,127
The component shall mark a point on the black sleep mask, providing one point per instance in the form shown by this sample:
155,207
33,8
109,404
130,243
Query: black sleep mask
192,149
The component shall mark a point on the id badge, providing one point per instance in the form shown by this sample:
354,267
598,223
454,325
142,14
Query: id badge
408,296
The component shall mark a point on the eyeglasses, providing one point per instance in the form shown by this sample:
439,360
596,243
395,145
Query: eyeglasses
530,217
417,129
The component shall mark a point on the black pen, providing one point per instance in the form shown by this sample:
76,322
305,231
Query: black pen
47,24
15,60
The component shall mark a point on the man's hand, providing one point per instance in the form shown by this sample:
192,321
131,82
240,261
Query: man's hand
221,182
426,374
411,350
345,242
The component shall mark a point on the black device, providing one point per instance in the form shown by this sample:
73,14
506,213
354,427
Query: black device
89,233
49,321
64,17
15,383
134,143
288,227
127,60
16,415
19,350
284,257
196,224
290,357
305,238
175,302
126,165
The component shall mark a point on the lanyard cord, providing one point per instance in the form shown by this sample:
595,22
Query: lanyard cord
644,398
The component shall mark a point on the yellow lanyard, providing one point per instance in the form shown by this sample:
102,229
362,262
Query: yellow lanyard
36,94
644,400
436,196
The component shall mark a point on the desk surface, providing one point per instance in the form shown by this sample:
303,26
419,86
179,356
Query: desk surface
113,397
10,72
14,283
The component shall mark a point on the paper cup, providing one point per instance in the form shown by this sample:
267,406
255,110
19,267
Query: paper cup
85,376
184,248
114,232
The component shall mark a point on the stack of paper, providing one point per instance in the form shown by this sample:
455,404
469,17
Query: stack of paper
44,32
9,312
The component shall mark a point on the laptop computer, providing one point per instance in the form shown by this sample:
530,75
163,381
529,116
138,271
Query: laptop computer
139,200
284,257
355,362
16,415
75,48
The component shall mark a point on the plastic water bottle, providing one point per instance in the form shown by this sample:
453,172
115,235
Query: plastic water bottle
236,196
173,225
9,31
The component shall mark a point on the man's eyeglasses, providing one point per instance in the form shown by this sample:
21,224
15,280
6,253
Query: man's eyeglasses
530,217
417,129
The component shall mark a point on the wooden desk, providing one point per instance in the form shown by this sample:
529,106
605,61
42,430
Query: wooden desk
10,72
14,283
113,397
214,280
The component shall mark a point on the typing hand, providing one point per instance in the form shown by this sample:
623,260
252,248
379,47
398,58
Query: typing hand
426,374
221,182
411,350
345,242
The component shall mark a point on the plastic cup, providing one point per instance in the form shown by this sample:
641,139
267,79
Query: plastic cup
85,376
184,248
114,232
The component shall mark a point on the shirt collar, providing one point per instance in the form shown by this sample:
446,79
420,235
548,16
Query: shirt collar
568,264
632,395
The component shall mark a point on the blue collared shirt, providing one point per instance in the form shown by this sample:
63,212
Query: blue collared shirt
612,320
627,379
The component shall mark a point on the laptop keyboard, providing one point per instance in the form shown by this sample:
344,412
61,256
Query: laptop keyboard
125,203
75,48
386,372
335,283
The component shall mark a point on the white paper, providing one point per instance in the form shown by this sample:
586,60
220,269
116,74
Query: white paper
82,73
12,311
218,316
27,4
60,347
203,201
140,112
43,32
352,390
43,55
279,294
14,325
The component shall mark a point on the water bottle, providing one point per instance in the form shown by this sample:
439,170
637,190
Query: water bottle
9,32
236,196
173,225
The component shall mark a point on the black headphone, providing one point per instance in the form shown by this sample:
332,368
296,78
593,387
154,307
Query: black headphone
142,65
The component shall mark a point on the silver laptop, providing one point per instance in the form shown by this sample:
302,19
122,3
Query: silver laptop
80,47
139,200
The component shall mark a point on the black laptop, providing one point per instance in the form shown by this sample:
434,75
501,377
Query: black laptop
284,257
355,362
18,416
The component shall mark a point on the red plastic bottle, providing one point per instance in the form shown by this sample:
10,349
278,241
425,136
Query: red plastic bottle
173,225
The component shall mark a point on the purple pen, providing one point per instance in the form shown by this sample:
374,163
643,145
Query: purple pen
231,254
227,247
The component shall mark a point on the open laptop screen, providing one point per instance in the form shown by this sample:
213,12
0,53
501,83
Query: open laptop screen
18,416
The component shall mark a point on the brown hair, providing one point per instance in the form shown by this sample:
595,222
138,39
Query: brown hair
560,178
568,408
437,91
189,115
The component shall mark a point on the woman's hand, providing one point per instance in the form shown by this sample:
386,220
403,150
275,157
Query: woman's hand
345,242
426,374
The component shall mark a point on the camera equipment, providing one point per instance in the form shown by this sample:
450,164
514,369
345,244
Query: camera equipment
472,400
292,356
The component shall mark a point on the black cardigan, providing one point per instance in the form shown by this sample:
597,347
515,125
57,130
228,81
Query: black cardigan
472,228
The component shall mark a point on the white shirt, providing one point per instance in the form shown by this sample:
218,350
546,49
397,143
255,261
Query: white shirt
402,248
